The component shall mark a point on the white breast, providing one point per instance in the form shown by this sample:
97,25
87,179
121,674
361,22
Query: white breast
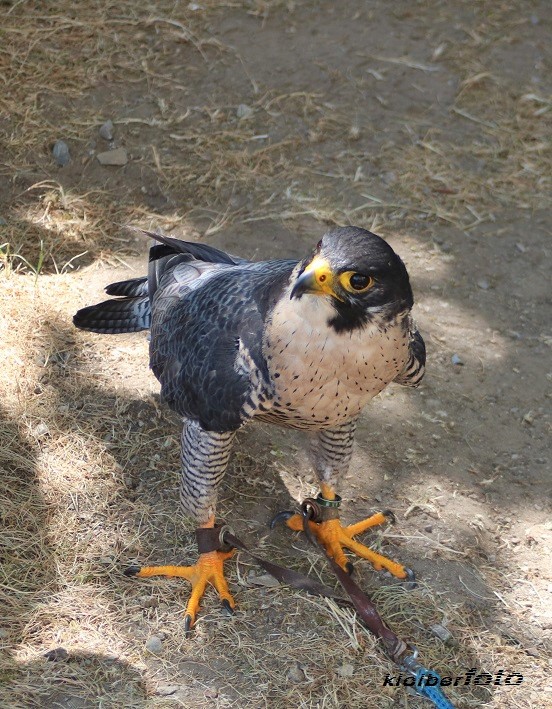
322,377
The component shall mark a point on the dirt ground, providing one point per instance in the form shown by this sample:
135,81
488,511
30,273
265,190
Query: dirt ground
253,126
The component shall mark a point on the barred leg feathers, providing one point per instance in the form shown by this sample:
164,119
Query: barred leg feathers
332,450
204,456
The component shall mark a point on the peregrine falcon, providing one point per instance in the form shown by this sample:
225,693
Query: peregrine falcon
301,344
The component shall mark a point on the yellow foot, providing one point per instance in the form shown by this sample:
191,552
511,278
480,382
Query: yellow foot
334,538
208,570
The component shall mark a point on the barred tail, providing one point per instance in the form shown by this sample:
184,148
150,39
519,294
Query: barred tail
130,314
132,287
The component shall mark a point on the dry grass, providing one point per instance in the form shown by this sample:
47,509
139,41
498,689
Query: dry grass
206,154
89,471
506,165
244,169
84,460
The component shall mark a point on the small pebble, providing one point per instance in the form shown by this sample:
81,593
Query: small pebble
520,247
262,580
296,674
154,645
244,111
428,528
165,690
106,130
40,430
60,151
455,359
3,222
346,670
152,602
483,284
441,632
113,157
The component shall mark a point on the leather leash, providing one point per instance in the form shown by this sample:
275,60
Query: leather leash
282,573
403,654
357,599
361,602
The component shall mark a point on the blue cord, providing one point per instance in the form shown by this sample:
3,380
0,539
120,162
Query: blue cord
433,693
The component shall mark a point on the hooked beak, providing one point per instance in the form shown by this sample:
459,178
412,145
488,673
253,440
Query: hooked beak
317,278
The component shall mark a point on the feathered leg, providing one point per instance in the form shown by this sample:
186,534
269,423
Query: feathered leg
332,449
204,456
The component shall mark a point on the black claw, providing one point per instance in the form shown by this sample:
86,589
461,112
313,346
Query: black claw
188,620
281,517
349,568
226,607
132,570
410,579
390,516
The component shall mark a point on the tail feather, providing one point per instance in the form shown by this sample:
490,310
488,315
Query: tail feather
131,311
115,316
201,252
131,288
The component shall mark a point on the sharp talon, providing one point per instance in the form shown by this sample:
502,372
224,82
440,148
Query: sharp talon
280,517
349,568
390,516
132,570
227,607
188,622
410,579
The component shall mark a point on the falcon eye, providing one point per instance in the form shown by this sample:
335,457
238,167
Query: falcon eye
356,282
359,282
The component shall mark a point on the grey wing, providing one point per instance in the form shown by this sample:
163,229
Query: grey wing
206,343
414,371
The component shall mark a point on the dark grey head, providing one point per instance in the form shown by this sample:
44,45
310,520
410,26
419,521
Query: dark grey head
360,273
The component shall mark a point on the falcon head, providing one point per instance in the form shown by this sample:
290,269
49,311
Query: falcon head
360,274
